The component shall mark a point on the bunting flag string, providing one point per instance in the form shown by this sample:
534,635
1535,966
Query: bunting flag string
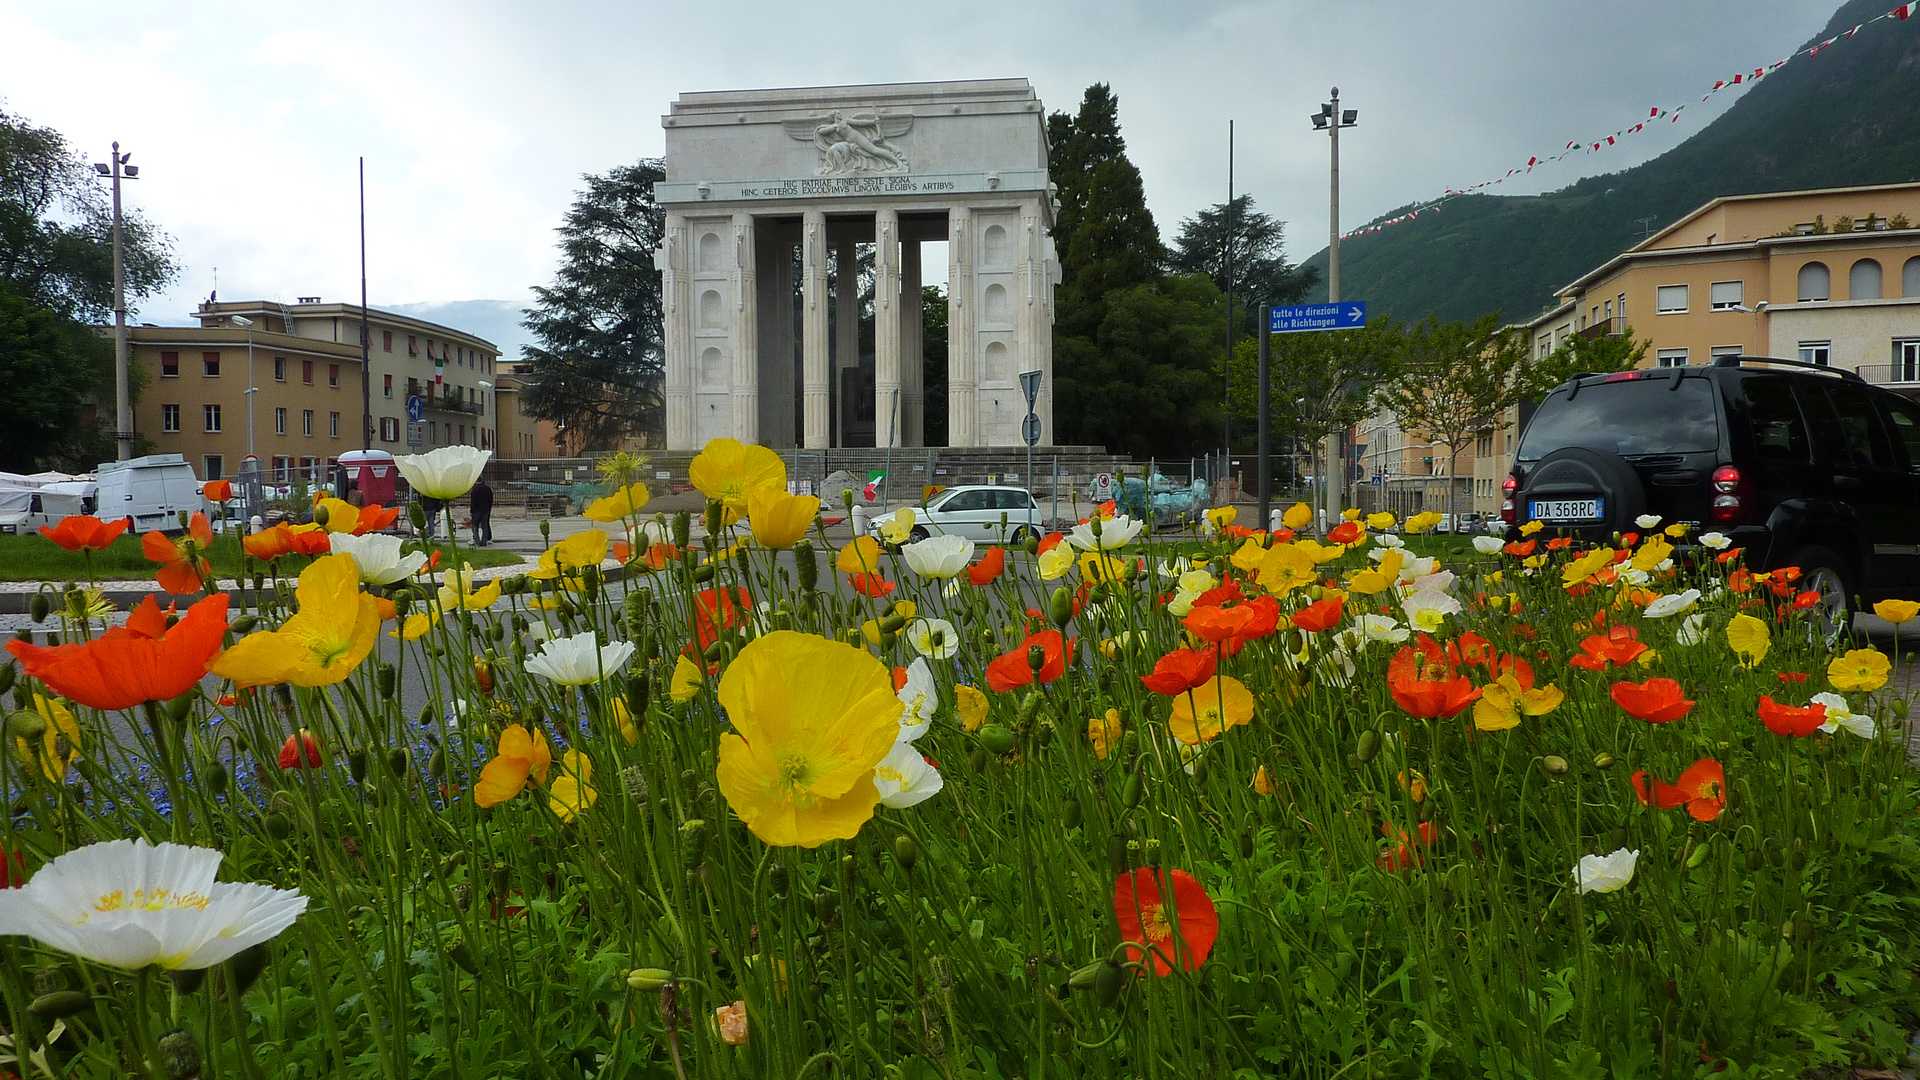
1655,113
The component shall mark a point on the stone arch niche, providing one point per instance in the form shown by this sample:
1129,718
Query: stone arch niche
766,190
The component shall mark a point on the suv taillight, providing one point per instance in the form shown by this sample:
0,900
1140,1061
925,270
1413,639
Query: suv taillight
1507,489
1731,494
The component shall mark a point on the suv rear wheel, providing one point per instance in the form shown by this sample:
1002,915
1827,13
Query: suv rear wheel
1823,571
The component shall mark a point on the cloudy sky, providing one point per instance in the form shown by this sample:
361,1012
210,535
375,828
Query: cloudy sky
478,118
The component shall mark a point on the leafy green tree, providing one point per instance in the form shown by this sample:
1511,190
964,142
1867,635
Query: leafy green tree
1318,384
50,365
1582,355
1459,379
933,363
1261,273
598,362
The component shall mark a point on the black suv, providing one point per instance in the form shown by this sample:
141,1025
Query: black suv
1799,465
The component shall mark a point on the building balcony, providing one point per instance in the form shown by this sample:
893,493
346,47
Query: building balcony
1605,328
472,408
1899,374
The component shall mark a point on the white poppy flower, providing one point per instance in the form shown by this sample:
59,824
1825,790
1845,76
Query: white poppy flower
1380,628
1633,575
1386,540
1605,873
1115,533
378,557
905,778
1672,604
1336,667
1055,562
920,695
1413,569
1693,630
1427,609
1174,567
579,660
1716,541
1182,603
128,904
933,638
1488,545
1197,581
446,473
938,557
1841,715
1647,521
954,588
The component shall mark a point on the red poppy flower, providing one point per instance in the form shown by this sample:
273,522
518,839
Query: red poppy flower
433,563
1320,615
1012,669
13,870
1628,540
1227,592
141,661
374,519
1520,549
871,585
314,542
1425,688
182,565
1791,676
1791,720
85,533
1618,646
1399,852
1806,600
1702,789
716,611
1183,936
1657,701
1181,670
1560,543
988,569
1217,624
1344,533
1740,581
300,744
217,490
1050,541
1470,649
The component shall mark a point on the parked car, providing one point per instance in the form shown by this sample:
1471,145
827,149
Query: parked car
988,514
1797,464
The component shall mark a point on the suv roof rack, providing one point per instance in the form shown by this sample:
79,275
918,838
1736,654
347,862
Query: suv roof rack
1743,361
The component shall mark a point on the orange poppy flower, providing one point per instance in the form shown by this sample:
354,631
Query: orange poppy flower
1560,543
300,751
85,533
1399,852
1050,541
217,490
1345,533
716,611
312,541
1320,615
1791,720
1183,936
1181,670
182,566
1012,669
1702,789
989,567
1657,701
871,585
1427,689
1619,646
268,544
144,660
375,518
1470,649
1520,549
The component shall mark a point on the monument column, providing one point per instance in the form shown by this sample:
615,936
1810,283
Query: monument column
678,344
813,336
962,330
746,334
1036,317
912,348
887,428
846,330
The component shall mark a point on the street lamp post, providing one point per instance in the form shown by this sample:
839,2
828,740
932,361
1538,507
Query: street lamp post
122,395
1330,119
251,389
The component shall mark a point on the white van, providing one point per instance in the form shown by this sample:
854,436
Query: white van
152,490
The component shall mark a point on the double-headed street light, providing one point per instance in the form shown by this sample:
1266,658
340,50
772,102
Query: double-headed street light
1330,119
122,396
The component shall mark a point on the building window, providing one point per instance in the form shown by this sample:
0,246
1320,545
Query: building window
214,465
1726,295
389,386
211,414
306,372
279,420
1672,357
1670,299
1620,308
1906,361
389,429
413,345
279,369
170,364
1910,277
333,425
1815,282
169,418
1863,281
306,421
210,365
333,374
1816,352
1726,350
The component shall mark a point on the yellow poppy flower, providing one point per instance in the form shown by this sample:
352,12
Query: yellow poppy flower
1263,784
522,755
1222,516
1297,516
1248,556
321,644
618,506
1284,569
1055,562
1103,732
60,722
1530,528
1317,552
860,556
413,627
811,719
1503,701
1749,638
570,795
1381,520
1583,568
1422,522
582,549
687,679
1378,578
780,520
1099,566
972,705
1652,553
1859,669
897,527
623,719
727,470
342,515
1201,714
1678,529
1897,611
457,591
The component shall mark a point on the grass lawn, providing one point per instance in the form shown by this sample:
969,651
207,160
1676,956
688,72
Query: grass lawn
33,557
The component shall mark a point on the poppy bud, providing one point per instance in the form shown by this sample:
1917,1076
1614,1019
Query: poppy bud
244,625
777,879
1700,852
1131,791
437,763
682,528
26,725
1106,984
7,675
1117,861
462,895
905,851
638,693
397,761
693,844
39,607
357,765
996,739
217,778
50,980
483,674
462,956
1083,978
1246,842
1603,760
1070,814
1368,747
277,826
389,679
646,980
824,905
1150,852
1553,765
703,573
634,779
179,1054
59,1004
893,624
1031,545
187,980
417,515
977,759
1060,610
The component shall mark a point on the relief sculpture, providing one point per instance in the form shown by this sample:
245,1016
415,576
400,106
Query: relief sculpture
853,145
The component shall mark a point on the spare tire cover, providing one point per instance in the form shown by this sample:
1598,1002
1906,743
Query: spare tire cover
1580,472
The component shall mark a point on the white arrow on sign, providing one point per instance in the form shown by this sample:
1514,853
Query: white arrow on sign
1356,314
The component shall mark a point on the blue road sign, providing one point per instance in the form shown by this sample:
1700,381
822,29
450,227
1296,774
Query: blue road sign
1346,315
416,408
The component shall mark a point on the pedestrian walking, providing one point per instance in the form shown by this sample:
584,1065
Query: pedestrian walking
480,508
432,506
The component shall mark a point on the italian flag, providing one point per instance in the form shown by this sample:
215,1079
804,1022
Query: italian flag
872,490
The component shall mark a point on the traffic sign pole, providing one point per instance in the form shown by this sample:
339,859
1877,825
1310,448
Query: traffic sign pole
1266,340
